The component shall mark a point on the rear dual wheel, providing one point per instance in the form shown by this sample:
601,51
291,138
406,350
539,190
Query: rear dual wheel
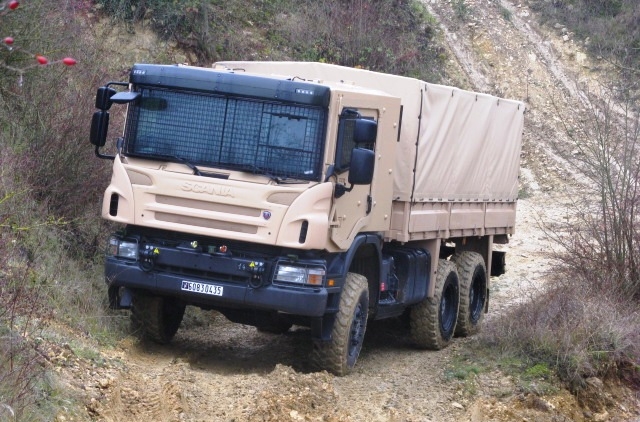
433,321
472,273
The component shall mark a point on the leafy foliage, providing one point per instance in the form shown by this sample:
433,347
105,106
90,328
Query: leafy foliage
388,35
50,190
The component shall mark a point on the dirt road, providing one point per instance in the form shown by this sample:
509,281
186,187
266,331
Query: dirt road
219,371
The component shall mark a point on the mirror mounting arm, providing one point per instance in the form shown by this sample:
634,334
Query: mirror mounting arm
104,156
341,189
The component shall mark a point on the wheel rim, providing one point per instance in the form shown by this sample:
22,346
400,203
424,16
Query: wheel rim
357,331
448,310
476,297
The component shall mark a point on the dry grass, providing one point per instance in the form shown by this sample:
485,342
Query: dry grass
579,334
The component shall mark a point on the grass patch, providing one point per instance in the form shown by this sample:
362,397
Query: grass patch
461,9
465,366
514,373
505,13
465,369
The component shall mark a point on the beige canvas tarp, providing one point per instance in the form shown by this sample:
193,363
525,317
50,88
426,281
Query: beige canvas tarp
468,148
464,146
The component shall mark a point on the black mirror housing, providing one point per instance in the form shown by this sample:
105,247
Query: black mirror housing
99,128
365,131
361,167
103,97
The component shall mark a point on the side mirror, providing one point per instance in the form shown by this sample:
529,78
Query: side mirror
361,167
103,97
365,131
99,128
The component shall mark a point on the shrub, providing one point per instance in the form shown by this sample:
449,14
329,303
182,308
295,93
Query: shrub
586,323
602,245
390,36
21,315
44,119
47,177
578,335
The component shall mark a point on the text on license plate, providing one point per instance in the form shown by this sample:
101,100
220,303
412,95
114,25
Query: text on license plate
208,289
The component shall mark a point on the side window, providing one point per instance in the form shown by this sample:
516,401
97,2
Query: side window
346,142
346,138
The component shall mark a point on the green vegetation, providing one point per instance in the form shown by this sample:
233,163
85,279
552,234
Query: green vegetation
50,191
586,323
461,9
51,184
505,13
390,36
480,360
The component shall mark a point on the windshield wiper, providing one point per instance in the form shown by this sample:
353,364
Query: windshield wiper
279,180
259,170
179,159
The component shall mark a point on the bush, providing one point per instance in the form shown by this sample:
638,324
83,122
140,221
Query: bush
587,322
602,245
50,190
579,335
44,119
389,36
21,317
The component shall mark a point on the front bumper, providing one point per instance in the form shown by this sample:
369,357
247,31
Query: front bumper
303,301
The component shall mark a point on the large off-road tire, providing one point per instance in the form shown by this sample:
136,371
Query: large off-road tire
472,273
433,321
156,318
339,355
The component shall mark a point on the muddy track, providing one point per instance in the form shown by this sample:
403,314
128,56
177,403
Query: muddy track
218,371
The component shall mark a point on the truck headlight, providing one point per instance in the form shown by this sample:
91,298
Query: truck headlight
123,248
313,276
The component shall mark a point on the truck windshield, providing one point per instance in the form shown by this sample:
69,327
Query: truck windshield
264,137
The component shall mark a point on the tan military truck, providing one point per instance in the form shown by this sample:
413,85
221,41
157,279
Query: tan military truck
309,194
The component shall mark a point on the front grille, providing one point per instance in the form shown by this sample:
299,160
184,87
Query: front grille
203,222
206,275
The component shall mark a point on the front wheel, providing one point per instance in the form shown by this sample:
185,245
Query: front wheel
339,355
156,317
433,321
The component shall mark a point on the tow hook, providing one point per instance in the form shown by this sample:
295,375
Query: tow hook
256,268
148,257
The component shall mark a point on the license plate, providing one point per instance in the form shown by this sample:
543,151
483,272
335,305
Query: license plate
207,289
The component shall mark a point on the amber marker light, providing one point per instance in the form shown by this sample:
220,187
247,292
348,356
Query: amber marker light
315,277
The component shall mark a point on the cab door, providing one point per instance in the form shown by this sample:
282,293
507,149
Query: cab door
353,169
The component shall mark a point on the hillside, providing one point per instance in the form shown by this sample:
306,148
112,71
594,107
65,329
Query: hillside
219,371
